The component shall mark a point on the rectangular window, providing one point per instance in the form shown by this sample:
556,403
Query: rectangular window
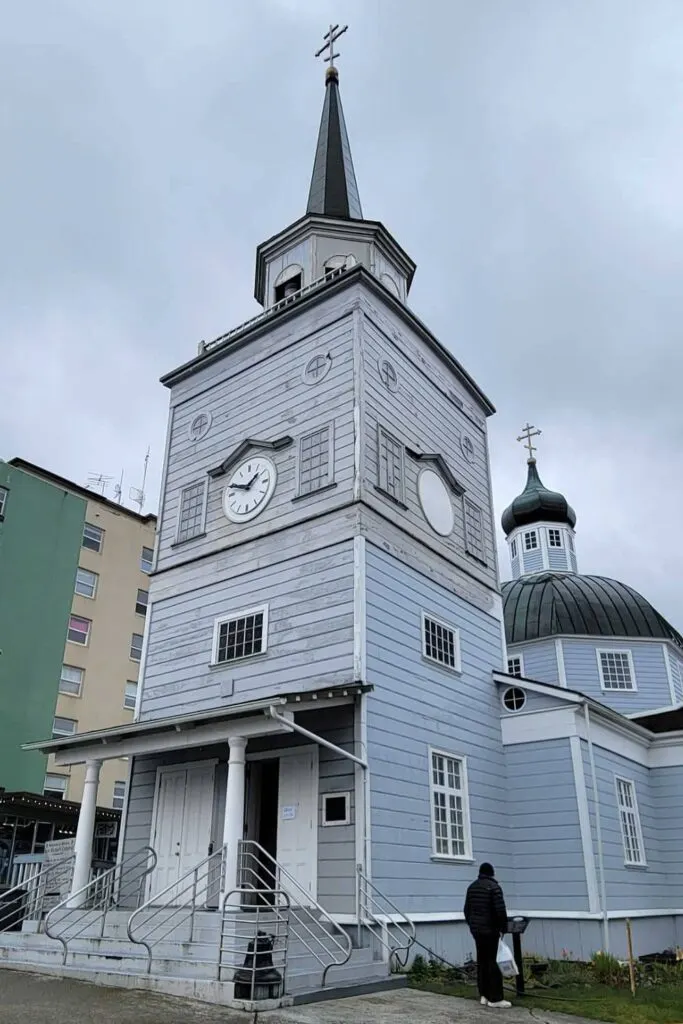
146,559
530,540
336,808
86,583
616,670
440,643
4,494
131,694
390,452
631,833
136,647
515,666
64,726
451,835
474,530
79,630
141,602
119,796
93,537
71,680
571,542
55,785
513,548
240,636
191,515
315,459
554,538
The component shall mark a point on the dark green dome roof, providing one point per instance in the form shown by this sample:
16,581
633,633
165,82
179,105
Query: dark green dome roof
536,504
561,603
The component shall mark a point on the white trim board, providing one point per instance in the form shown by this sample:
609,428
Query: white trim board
359,610
549,915
585,825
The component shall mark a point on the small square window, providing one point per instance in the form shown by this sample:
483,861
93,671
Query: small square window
513,548
93,537
141,602
64,726
119,797
474,530
79,630
554,538
136,647
191,515
86,583
241,636
146,559
131,695
315,460
55,785
530,540
71,680
390,457
441,643
515,667
616,670
4,494
336,808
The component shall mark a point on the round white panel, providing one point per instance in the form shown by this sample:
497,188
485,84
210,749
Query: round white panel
436,503
250,489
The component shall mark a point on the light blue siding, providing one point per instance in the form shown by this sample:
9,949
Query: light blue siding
543,827
515,567
415,705
533,560
539,660
676,675
666,787
557,558
582,672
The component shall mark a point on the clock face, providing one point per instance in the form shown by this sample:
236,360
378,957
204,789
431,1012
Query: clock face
436,503
250,489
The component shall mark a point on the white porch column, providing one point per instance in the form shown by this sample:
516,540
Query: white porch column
85,831
233,826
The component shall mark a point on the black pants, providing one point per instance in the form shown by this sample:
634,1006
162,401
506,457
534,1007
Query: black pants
489,978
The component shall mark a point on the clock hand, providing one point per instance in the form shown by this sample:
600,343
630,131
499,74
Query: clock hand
245,487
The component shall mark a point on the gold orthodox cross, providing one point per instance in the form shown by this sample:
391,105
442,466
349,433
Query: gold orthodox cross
330,39
528,432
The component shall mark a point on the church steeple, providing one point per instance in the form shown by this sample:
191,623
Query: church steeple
333,191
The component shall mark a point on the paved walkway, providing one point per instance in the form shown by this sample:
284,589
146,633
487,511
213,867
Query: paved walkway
26,998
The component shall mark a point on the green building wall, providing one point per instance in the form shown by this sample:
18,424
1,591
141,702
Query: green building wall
40,540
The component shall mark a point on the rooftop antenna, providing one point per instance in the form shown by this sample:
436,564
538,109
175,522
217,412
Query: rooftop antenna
97,481
137,494
118,490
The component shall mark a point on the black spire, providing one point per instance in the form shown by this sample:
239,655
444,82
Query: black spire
333,191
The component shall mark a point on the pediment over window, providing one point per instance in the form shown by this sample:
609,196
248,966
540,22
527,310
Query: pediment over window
438,462
249,444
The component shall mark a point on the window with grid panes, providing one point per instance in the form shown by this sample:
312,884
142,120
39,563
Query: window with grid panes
450,825
631,832
474,530
530,541
513,548
441,643
71,680
191,515
554,538
616,670
240,637
315,460
515,667
390,465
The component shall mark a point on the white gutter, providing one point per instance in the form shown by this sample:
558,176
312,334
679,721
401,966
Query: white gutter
271,712
598,831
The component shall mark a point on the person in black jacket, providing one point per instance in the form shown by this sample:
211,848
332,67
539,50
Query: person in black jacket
487,918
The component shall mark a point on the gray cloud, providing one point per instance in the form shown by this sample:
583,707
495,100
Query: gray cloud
528,155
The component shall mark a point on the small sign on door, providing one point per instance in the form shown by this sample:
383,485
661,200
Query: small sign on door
289,812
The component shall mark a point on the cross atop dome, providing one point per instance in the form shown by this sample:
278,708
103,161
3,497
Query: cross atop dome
528,432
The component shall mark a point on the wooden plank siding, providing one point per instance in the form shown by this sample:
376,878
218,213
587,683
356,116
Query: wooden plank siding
540,661
652,681
666,788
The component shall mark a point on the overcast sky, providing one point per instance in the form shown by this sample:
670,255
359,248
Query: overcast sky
527,153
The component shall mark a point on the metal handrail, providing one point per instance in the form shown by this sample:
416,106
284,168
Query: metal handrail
102,893
279,910
29,901
345,948
371,895
178,888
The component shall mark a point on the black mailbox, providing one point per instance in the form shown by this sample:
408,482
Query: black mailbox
516,928
517,925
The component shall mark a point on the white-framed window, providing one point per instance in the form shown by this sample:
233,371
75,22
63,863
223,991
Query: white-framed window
55,785
131,695
316,459
119,796
514,698
571,542
71,680
451,832
141,602
440,643
93,537
4,494
616,670
86,583
530,540
191,512
631,832
136,647
64,726
474,530
243,635
336,809
513,548
79,630
390,462
146,559
516,666
554,537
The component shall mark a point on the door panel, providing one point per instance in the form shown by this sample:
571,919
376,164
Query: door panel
182,831
168,826
297,827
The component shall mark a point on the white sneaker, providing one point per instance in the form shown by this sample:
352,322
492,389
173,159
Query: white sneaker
502,1005
484,1001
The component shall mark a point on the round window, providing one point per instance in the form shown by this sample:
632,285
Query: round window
514,698
388,375
200,426
317,368
467,446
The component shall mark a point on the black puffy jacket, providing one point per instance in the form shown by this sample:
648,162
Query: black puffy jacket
485,909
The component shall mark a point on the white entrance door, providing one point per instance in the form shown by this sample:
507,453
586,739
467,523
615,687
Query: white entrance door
182,826
297,826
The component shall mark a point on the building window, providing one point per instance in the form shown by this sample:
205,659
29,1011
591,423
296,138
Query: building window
136,647
631,833
64,726
440,643
141,602
86,583
191,515
4,494
336,808
513,548
315,460
240,636
199,426
146,559
554,538
55,785
571,542
93,537
616,670
388,375
131,695
317,368
288,283
474,530
450,807
79,630
119,796
530,540
515,666
390,465
514,698
71,680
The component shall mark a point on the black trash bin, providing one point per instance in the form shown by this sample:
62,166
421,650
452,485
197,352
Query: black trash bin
12,907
